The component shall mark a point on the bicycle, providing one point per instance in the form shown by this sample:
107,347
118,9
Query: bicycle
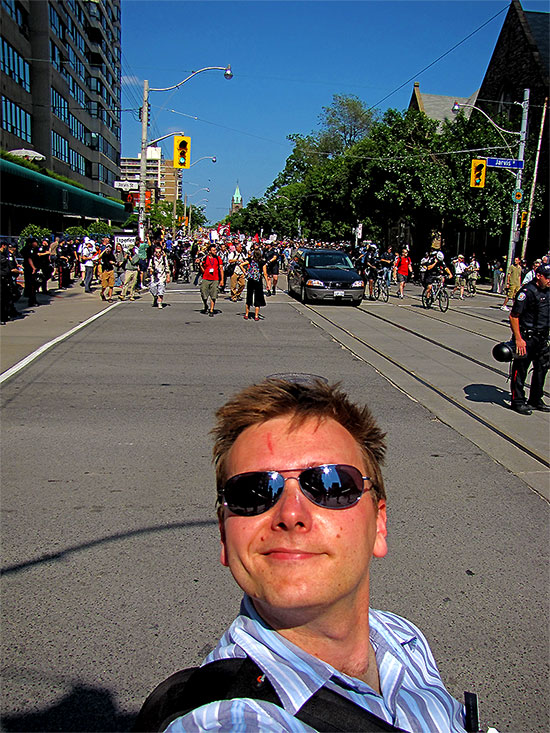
439,293
381,290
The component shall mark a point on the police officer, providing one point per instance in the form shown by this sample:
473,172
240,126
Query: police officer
64,262
30,266
43,254
530,323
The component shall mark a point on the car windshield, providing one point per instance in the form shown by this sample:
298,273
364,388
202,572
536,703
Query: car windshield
329,261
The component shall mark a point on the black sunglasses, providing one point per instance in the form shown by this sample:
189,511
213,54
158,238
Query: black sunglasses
332,486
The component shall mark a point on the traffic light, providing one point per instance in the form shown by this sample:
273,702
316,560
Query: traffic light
523,219
182,151
477,173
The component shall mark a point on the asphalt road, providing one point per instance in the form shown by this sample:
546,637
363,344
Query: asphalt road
111,578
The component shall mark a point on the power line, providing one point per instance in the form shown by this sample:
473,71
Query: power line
419,73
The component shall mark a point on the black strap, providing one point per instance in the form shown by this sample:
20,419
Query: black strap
228,679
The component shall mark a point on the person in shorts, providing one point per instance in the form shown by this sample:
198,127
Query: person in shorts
402,268
212,278
108,263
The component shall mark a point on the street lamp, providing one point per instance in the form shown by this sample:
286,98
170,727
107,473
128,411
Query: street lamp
205,157
228,74
518,193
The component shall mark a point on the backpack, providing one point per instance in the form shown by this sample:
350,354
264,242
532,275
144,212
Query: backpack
228,679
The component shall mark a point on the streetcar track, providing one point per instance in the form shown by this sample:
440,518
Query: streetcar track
465,313
481,420
437,343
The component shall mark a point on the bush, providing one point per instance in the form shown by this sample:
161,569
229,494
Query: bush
76,231
99,229
33,230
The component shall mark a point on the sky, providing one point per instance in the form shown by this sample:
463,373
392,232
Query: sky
288,60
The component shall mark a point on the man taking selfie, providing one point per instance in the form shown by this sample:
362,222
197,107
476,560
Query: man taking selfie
302,512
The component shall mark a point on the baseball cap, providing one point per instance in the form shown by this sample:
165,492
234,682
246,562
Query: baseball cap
543,270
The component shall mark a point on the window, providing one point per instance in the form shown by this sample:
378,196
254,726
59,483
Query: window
77,162
77,128
14,65
58,60
77,92
56,24
60,106
105,175
17,13
16,120
60,147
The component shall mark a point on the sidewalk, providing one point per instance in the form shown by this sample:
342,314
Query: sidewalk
57,313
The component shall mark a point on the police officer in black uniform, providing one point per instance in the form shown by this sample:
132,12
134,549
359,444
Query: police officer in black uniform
530,323
64,263
30,266
44,265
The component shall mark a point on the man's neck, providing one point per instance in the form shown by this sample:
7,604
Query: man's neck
340,638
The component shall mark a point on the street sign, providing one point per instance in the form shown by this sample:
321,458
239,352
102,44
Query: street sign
504,163
127,185
518,195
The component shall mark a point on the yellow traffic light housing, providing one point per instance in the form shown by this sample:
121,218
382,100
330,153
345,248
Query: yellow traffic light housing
477,173
182,151
523,219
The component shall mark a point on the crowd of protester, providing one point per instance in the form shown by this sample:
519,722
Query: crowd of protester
243,267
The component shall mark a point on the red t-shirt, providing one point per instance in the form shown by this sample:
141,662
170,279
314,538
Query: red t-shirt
403,264
211,268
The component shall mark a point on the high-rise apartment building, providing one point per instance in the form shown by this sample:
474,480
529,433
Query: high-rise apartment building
162,178
61,86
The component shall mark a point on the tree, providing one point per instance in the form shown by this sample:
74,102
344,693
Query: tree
344,123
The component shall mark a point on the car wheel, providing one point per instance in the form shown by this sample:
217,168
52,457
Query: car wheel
303,296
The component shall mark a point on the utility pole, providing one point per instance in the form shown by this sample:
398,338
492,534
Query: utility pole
535,171
143,160
514,230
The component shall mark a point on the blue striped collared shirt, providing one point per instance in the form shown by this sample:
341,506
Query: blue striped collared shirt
413,695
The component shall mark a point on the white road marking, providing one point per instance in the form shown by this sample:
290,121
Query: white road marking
35,354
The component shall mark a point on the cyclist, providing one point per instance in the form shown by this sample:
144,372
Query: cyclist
435,268
386,262
368,264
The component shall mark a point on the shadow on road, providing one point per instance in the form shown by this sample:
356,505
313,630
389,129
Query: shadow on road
487,393
64,554
85,708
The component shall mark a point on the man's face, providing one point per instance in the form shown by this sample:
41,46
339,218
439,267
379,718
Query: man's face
543,281
212,251
517,261
298,558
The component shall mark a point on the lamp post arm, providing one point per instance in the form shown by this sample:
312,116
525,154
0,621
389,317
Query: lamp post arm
158,139
493,123
205,157
227,70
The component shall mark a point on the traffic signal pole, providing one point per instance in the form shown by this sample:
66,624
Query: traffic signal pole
533,183
143,160
514,229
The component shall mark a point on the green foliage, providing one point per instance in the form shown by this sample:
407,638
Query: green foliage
76,231
40,169
99,229
33,230
346,121
400,169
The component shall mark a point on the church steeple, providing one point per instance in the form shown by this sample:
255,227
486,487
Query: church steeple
236,201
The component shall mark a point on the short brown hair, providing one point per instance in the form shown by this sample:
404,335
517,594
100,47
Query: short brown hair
313,398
